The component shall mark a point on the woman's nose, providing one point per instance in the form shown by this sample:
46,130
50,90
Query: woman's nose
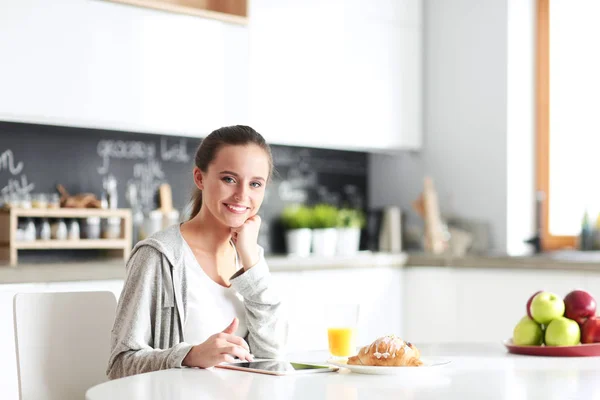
240,194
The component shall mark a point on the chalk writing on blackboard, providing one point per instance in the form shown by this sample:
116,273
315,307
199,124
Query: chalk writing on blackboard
120,149
17,181
148,173
176,152
147,177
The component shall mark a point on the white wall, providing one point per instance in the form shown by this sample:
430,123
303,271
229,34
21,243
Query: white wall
468,135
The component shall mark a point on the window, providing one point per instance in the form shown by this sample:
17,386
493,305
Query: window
568,117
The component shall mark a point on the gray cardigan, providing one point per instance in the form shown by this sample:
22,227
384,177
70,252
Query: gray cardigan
148,331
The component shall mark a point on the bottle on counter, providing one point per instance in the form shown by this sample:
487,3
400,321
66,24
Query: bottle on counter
586,233
104,200
110,187
596,235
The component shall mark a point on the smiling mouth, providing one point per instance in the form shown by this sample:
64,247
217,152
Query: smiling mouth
236,209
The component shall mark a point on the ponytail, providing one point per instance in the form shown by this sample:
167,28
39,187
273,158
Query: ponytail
196,202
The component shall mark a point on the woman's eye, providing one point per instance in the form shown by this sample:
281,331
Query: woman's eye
255,184
228,179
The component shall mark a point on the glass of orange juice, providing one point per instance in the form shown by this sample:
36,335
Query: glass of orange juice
342,321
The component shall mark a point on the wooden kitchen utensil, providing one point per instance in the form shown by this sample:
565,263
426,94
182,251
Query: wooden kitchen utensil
166,198
427,207
170,215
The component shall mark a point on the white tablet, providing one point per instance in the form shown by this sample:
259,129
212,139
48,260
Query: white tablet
276,367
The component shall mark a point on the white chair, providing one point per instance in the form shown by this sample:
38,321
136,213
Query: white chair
62,342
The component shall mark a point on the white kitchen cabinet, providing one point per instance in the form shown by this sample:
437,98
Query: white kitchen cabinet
492,301
306,293
429,299
444,304
336,74
146,70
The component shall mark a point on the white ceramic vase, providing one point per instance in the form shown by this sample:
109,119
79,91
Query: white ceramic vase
348,241
324,241
298,242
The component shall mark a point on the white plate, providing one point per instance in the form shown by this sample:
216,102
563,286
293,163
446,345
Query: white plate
429,365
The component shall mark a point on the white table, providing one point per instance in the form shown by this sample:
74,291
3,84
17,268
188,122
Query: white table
476,371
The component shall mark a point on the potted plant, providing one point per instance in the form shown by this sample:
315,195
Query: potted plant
324,224
297,222
350,222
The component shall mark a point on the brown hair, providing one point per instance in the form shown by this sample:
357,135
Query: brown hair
237,135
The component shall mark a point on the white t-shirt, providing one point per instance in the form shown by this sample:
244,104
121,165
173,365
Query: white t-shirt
210,306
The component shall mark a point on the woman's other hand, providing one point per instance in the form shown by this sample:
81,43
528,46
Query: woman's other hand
220,347
245,238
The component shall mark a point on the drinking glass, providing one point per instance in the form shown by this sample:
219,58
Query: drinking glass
342,322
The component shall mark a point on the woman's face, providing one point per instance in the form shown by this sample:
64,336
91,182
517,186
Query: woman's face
233,187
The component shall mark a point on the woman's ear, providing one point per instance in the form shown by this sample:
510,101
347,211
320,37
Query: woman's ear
198,178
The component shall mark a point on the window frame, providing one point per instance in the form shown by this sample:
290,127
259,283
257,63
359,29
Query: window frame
549,241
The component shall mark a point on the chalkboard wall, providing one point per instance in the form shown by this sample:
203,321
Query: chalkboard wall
35,158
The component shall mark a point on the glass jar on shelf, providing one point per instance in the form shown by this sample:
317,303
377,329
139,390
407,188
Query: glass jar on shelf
25,200
39,200
73,233
112,228
29,231
44,230
12,200
53,200
92,228
20,233
59,230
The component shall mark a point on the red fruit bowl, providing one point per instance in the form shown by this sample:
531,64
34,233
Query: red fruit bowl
580,350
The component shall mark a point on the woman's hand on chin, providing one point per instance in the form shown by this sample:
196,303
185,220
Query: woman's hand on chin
245,238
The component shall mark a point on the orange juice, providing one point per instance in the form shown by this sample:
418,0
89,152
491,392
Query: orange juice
342,341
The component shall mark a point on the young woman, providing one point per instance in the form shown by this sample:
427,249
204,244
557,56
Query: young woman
199,293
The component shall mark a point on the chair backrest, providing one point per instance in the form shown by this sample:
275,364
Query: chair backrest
62,342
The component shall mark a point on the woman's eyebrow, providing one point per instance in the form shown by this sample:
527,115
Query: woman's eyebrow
237,176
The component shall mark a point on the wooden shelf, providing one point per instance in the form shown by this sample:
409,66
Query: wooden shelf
9,221
71,244
67,212
231,11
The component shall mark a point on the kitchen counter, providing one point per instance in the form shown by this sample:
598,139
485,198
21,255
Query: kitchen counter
564,260
115,269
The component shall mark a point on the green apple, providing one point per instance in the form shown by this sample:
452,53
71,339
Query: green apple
562,332
547,306
527,333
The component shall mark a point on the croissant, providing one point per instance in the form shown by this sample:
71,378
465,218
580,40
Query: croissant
388,351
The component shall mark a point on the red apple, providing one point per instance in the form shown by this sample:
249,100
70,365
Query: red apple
579,305
590,332
529,303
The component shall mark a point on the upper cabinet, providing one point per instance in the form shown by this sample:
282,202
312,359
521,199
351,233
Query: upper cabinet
336,74
233,11
343,74
145,71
